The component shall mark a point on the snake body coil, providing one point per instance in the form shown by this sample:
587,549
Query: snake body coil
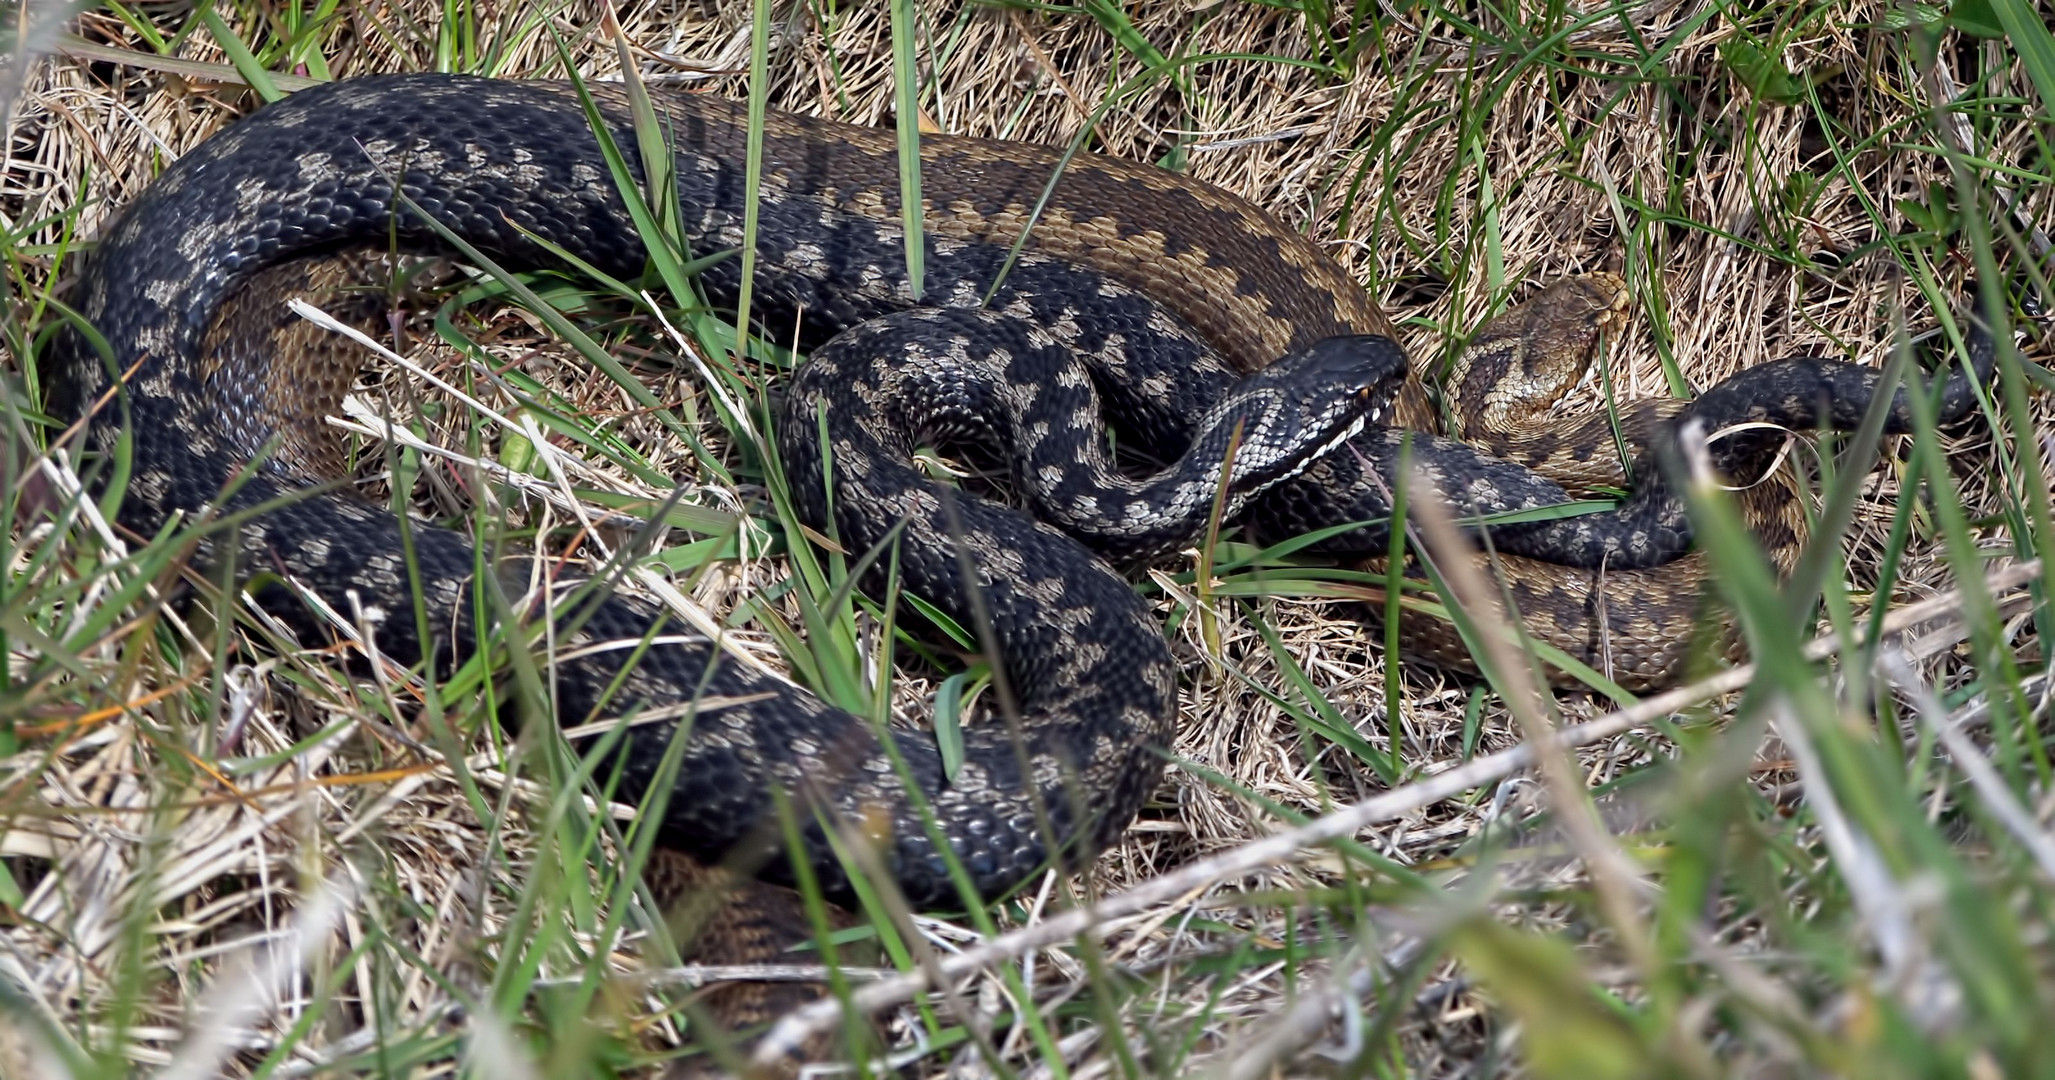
506,165
1168,288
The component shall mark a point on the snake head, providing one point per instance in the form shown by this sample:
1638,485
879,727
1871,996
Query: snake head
1286,416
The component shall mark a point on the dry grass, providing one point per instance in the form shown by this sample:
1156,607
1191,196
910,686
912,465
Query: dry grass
136,869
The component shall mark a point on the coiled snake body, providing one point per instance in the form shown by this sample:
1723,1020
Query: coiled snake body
503,162
1167,287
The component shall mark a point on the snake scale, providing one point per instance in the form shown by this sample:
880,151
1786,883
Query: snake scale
1169,292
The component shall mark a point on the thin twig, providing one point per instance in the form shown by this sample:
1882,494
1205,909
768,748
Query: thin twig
698,975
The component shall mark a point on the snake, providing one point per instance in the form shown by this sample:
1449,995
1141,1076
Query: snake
1061,293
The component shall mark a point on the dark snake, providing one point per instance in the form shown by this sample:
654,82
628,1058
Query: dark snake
1170,290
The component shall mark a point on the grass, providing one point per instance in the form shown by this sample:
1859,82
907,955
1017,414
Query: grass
1836,862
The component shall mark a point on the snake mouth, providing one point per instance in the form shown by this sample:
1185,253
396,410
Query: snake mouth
1356,426
1351,430
1380,399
